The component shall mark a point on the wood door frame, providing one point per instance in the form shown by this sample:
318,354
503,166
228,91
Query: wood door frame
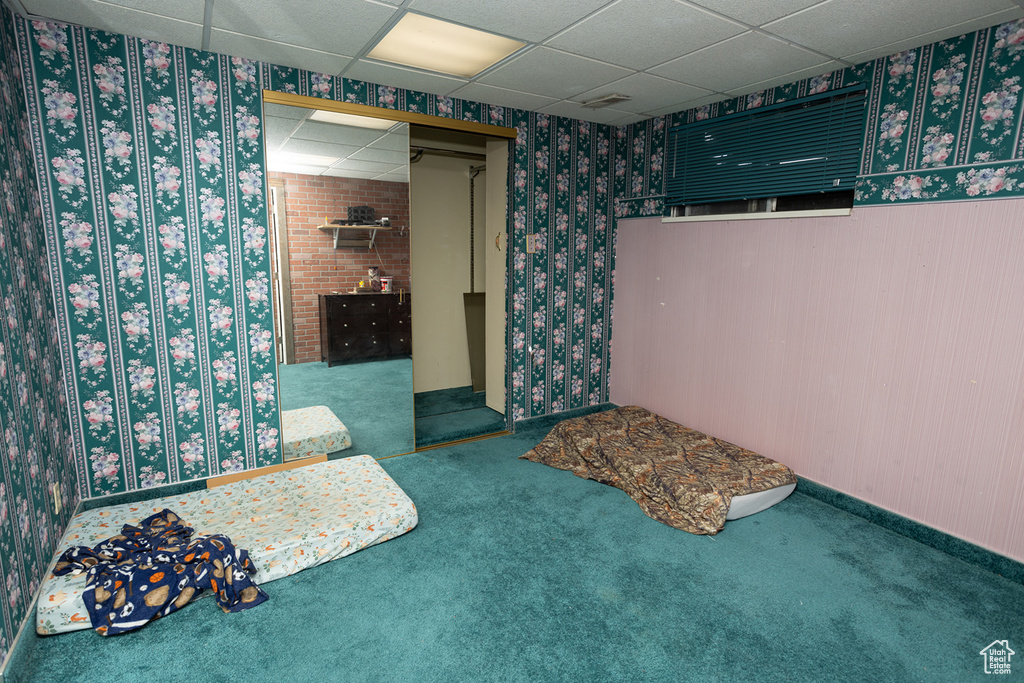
496,224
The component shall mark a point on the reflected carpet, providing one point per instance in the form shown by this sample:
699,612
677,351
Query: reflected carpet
373,399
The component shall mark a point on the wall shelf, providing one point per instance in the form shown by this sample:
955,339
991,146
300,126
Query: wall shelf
353,242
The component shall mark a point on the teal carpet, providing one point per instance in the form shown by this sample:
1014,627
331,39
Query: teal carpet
520,572
451,414
373,399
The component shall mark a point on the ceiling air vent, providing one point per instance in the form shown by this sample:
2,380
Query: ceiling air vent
605,100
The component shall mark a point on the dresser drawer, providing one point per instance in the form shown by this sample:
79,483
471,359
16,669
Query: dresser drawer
398,323
356,304
361,346
355,326
399,344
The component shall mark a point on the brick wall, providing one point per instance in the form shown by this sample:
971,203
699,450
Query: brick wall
316,266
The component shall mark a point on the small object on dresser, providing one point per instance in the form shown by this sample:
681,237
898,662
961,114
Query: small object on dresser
374,277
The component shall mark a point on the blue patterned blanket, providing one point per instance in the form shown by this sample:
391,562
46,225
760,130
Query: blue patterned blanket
151,570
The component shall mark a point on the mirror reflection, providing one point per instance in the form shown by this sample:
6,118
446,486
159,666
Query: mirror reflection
339,204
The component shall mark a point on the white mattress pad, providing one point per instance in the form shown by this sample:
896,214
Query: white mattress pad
312,431
288,521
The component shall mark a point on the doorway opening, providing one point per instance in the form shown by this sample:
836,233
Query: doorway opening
458,264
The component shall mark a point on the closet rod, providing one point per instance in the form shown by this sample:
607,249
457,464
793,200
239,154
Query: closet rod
437,151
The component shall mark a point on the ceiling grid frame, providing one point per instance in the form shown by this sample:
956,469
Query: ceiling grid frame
793,36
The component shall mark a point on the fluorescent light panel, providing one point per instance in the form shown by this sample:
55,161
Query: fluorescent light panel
350,119
282,167
305,159
435,45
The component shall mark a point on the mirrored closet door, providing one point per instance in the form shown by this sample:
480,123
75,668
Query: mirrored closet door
339,187
345,266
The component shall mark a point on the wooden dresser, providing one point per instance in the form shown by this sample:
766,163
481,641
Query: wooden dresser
360,326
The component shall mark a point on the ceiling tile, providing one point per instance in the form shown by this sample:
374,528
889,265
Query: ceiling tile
285,111
238,45
747,58
328,132
544,71
301,169
816,70
287,157
935,36
607,115
489,94
349,173
369,166
642,33
277,130
700,102
191,11
756,12
317,25
401,77
846,27
381,155
401,176
647,92
524,19
396,141
301,146
122,20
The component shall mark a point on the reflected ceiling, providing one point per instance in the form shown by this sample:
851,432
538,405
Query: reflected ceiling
298,144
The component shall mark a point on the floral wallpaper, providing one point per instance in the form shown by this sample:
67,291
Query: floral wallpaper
35,453
560,295
639,172
150,168
151,174
943,123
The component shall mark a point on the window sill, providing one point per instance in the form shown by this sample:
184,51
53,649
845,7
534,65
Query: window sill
816,213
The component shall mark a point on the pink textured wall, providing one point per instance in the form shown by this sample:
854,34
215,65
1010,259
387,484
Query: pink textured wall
880,354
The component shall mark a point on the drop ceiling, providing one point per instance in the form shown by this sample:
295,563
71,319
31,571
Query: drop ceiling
667,55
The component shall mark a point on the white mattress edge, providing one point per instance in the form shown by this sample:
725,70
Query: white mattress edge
750,503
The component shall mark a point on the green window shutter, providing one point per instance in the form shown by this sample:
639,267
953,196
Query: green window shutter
799,147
